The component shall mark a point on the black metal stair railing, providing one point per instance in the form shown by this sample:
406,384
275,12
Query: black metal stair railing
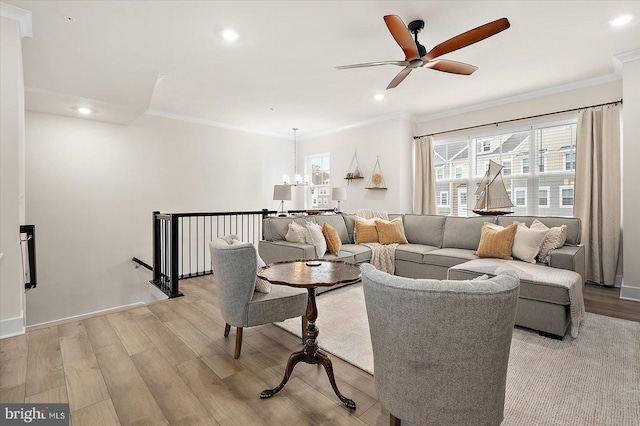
181,242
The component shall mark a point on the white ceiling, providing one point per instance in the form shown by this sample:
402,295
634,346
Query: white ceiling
281,72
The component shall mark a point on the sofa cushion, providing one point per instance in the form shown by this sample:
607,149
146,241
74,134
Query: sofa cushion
497,243
391,232
424,229
275,228
464,232
413,252
574,225
337,221
365,231
360,253
541,290
449,256
342,255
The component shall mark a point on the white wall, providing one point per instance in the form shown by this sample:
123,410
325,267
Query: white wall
630,178
391,140
11,143
92,187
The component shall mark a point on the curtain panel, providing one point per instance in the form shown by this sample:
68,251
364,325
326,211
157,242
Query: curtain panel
424,182
598,190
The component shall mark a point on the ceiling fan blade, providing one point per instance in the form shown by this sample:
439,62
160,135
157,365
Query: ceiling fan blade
374,64
451,66
465,39
401,34
398,78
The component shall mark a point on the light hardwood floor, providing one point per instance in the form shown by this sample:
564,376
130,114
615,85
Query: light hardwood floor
168,363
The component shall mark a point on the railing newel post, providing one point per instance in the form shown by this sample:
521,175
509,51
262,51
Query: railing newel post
156,247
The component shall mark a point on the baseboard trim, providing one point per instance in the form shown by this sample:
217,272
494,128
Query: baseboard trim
630,293
82,316
12,326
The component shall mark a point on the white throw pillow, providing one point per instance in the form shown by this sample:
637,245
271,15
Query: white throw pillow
262,286
297,234
527,243
554,239
317,239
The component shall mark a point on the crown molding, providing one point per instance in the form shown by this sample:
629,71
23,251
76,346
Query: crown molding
24,18
188,119
523,97
620,58
373,120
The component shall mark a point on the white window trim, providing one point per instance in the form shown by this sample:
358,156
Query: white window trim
522,172
548,189
440,169
510,160
462,205
515,196
564,161
440,199
560,188
455,172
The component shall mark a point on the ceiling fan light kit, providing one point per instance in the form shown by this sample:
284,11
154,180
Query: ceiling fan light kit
416,55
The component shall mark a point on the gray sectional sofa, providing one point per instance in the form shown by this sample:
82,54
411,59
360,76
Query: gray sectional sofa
442,247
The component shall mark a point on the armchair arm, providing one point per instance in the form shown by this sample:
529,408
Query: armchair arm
272,251
569,257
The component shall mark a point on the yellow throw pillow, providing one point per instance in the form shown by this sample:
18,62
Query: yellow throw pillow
333,239
497,243
390,232
365,231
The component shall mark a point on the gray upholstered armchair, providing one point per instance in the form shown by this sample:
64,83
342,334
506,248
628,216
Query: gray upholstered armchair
441,348
234,272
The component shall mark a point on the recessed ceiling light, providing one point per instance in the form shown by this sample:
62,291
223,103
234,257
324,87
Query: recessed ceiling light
379,97
70,19
230,35
621,20
84,110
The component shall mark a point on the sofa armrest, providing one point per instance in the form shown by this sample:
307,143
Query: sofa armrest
569,257
272,251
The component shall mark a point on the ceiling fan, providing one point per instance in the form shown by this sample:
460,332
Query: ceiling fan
416,55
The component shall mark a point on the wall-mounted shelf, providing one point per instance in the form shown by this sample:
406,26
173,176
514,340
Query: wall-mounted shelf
377,179
354,173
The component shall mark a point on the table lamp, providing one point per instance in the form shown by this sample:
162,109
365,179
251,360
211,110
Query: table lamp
339,194
282,192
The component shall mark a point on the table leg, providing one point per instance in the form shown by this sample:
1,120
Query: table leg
310,354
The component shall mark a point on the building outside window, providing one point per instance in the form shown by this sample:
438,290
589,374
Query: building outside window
533,190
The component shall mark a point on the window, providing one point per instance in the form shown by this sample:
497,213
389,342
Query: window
319,167
462,201
520,197
543,197
443,199
537,161
569,161
506,171
566,196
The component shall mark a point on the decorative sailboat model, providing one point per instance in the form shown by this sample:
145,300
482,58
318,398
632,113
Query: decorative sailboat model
493,193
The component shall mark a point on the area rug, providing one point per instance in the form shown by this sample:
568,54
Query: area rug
591,380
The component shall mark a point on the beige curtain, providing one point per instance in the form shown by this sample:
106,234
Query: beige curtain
597,190
424,181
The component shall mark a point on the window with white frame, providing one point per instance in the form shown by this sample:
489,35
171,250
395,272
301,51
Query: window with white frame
569,160
520,197
543,197
535,167
506,164
462,201
566,196
439,173
319,167
443,199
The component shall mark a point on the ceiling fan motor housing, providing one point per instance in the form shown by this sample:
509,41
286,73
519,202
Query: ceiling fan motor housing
415,27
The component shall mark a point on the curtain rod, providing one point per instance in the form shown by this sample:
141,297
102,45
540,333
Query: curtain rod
518,119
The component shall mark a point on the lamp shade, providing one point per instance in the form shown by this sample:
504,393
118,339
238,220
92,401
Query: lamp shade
281,192
339,194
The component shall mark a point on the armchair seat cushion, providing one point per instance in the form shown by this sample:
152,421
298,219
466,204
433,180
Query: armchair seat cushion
282,303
